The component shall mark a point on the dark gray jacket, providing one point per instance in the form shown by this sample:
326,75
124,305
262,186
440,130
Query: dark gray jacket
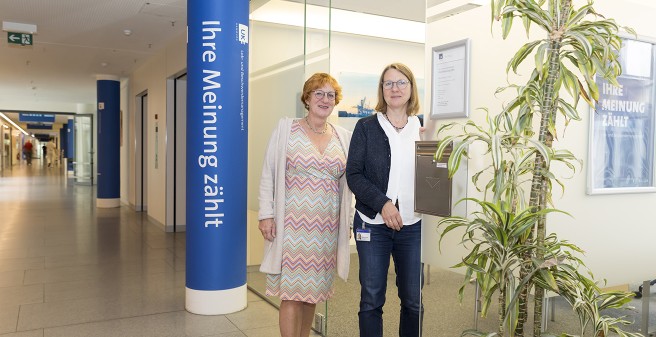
368,166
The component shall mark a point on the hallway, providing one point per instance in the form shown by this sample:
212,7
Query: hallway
69,269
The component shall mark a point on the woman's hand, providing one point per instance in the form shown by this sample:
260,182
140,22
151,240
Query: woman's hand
268,229
391,216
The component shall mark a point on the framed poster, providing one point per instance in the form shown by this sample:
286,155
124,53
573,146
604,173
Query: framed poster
362,97
621,146
450,80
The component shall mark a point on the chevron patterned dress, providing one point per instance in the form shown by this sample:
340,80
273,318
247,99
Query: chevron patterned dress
309,255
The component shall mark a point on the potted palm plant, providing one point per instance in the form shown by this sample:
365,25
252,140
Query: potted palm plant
511,254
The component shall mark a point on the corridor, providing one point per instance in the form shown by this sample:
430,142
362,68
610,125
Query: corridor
70,269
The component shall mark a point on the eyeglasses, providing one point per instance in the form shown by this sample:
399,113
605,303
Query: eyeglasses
318,94
401,84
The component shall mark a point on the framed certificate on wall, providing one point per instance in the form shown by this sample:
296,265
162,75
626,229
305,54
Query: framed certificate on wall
621,147
450,80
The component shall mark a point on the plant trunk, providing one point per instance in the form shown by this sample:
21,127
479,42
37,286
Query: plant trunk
549,114
502,309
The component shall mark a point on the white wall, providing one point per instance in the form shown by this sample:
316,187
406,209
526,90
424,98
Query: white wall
616,231
152,77
125,112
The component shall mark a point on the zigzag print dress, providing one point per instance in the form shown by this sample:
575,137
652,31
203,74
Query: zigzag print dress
309,254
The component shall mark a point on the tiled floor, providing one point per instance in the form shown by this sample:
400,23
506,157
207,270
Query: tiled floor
69,269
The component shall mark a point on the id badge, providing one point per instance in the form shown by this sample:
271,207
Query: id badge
362,234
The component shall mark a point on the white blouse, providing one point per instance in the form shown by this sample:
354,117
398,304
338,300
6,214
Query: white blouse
401,185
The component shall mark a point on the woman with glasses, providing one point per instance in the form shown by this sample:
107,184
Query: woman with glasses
380,171
305,207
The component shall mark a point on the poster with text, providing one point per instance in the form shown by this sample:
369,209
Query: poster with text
622,144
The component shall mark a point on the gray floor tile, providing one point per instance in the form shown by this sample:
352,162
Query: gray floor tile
256,315
231,334
8,318
263,332
161,325
14,253
21,264
111,287
94,273
10,296
31,333
11,278
123,305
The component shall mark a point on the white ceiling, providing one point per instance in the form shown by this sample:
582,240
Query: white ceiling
77,40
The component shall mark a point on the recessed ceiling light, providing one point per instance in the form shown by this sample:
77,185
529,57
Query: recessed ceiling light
127,32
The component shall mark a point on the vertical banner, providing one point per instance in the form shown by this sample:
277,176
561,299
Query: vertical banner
217,145
622,132
109,159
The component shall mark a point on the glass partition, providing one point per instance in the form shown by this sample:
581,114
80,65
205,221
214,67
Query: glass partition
5,151
284,52
317,59
83,149
300,40
275,80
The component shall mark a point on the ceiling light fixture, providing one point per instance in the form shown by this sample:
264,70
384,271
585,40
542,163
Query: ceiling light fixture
338,20
12,123
127,32
18,27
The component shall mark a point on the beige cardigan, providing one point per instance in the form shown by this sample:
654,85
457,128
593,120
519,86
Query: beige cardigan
272,200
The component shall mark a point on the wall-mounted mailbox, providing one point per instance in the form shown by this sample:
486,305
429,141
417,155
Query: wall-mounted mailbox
432,184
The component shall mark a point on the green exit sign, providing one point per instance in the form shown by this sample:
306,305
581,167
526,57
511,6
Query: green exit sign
23,39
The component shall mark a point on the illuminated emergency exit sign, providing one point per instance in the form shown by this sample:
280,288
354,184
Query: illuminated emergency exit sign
23,39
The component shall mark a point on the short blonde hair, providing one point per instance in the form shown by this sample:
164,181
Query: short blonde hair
317,81
413,102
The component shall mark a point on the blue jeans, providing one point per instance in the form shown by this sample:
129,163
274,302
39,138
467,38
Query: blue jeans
405,248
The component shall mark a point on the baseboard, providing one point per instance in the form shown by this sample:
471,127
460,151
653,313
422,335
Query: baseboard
178,228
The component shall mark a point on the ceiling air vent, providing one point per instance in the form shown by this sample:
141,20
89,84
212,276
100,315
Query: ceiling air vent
451,12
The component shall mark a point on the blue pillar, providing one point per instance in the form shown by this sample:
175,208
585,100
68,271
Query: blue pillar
70,145
63,148
217,145
109,159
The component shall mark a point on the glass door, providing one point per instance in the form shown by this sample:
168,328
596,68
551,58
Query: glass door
83,161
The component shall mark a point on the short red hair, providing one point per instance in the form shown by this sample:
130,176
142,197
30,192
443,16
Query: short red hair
317,81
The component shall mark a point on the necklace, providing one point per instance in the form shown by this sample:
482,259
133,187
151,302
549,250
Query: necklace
325,127
392,124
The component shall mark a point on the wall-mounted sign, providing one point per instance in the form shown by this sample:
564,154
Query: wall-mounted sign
23,39
38,118
450,80
39,126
